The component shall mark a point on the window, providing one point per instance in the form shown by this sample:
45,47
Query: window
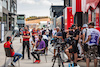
5,21
20,17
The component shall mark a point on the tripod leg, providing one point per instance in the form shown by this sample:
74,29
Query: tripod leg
61,60
54,61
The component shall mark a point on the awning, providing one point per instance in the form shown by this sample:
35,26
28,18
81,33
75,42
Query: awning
76,6
92,3
10,14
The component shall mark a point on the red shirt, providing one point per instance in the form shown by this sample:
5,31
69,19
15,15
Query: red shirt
9,45
26,33
33,32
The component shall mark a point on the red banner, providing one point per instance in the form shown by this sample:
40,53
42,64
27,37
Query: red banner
78,6
89,16
97,17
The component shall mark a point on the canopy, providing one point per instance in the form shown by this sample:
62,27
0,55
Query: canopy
92,3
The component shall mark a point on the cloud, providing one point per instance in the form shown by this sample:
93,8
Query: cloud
27,1
36,7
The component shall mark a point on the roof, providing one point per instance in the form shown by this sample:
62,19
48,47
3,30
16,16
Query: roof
58,10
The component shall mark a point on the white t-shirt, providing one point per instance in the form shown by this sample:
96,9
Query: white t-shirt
47,32
54,32
95,34
87,33
30,40
45,37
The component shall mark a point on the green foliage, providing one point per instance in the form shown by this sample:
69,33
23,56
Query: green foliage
35,17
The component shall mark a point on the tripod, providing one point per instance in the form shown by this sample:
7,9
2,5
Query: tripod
58,55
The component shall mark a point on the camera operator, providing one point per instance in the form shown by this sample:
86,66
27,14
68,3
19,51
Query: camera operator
73,48
58,35
91,44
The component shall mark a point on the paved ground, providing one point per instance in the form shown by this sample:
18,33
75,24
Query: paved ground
29,63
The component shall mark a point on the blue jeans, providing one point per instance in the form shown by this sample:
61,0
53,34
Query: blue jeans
17,56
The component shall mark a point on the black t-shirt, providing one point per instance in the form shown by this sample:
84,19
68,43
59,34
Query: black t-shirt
76,33
70,32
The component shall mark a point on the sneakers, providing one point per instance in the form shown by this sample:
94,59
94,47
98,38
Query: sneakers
76,65
13,64
37,61
68,60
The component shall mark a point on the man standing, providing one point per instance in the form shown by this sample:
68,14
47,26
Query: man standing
16,56
26,37
85,32
73,48
40,48
92,43
58,35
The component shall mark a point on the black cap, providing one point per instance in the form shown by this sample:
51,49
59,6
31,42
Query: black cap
8,38
92,23
73,26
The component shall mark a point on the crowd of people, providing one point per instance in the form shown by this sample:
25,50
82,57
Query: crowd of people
84,43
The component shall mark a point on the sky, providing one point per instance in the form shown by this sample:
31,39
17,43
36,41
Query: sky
36,7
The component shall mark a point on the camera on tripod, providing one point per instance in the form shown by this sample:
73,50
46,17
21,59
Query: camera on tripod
55,40
69,40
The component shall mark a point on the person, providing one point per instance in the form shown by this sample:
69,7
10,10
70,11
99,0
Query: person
85,32
92,42
33,34
41,31
21,33
47,32
26,37
73,48
40,48
45,38
58,35
54,32
16,56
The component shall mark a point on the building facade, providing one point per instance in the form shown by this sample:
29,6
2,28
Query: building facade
8,17
55,12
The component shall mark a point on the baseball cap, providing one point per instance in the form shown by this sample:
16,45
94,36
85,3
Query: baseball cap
91,23
85,25
73,26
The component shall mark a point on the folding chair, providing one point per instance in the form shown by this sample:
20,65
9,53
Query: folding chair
8,54
44,55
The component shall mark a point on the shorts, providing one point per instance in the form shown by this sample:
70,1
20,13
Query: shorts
92,52
20,36
74,48
99,50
